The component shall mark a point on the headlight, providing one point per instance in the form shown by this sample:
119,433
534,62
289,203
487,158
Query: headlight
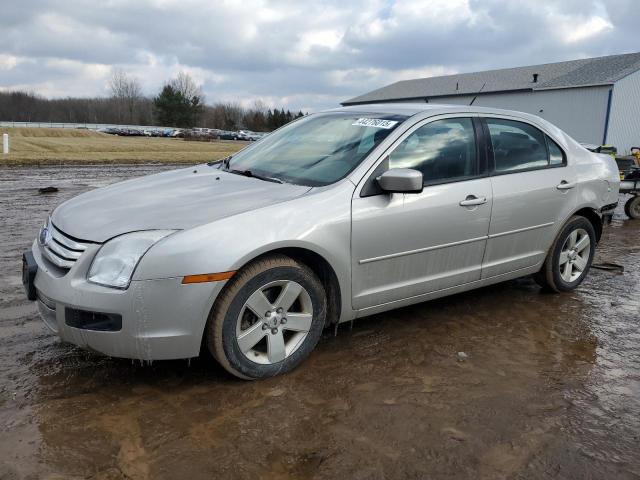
115,262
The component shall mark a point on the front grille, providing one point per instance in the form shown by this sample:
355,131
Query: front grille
61,249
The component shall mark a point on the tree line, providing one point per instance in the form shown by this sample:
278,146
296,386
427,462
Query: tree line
180,103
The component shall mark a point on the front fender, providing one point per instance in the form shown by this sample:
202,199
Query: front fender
319,221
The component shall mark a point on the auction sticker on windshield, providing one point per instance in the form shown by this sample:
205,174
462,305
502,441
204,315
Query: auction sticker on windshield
374,122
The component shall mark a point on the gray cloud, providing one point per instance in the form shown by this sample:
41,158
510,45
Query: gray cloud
306,55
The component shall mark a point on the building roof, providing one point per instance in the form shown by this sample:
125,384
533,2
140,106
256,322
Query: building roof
574,73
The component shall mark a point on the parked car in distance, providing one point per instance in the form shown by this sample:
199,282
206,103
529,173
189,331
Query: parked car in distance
228,135
336,216
249,135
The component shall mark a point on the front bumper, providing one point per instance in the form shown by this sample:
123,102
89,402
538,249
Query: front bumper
160,319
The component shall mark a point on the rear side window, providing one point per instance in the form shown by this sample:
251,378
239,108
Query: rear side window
444,151
556,155
517,145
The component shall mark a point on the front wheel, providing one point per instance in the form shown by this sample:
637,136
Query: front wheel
570,256
267,319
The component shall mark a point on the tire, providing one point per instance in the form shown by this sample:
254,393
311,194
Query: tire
632,207
252,344
567,265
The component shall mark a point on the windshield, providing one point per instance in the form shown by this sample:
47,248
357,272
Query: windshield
317,150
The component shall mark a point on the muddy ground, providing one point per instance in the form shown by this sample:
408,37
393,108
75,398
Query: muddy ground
550,386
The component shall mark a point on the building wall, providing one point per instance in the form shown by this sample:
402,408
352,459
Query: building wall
580,112
624,120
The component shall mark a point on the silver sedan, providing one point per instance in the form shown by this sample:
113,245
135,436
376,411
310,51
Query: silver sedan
336,216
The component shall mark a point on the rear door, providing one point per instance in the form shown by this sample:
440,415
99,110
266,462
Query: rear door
405,245
534,191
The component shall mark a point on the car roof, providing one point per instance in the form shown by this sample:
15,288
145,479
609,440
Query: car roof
425,110
410,109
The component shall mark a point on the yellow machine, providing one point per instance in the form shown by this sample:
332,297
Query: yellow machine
628,163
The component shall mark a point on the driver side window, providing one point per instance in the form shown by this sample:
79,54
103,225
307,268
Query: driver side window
444,151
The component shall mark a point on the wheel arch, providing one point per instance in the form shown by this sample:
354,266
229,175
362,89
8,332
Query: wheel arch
594,218
316,262
322,268
335,282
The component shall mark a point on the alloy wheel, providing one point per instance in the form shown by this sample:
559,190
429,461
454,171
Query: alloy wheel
274,321
574,255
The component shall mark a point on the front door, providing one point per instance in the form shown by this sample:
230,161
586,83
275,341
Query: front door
405,245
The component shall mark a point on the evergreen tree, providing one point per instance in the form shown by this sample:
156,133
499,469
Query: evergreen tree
174,109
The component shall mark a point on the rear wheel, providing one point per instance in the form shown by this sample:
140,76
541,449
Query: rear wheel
632,207
267,319
570,256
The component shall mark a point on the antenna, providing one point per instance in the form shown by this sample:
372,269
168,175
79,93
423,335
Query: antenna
474,98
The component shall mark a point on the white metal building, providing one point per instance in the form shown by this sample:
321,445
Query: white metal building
595,100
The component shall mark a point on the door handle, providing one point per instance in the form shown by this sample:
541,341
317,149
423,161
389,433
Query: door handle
472,200
564,185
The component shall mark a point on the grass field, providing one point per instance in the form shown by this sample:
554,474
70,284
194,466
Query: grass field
51,146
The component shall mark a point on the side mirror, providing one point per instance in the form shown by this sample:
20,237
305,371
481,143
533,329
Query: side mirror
401,180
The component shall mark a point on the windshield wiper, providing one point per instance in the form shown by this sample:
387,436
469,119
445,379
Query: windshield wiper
222,163
249,173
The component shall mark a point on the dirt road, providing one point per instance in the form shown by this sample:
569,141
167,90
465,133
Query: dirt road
548,385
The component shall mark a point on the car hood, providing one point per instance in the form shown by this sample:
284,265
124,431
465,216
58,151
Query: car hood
178,199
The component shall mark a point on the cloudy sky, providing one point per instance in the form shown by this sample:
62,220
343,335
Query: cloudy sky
301,54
